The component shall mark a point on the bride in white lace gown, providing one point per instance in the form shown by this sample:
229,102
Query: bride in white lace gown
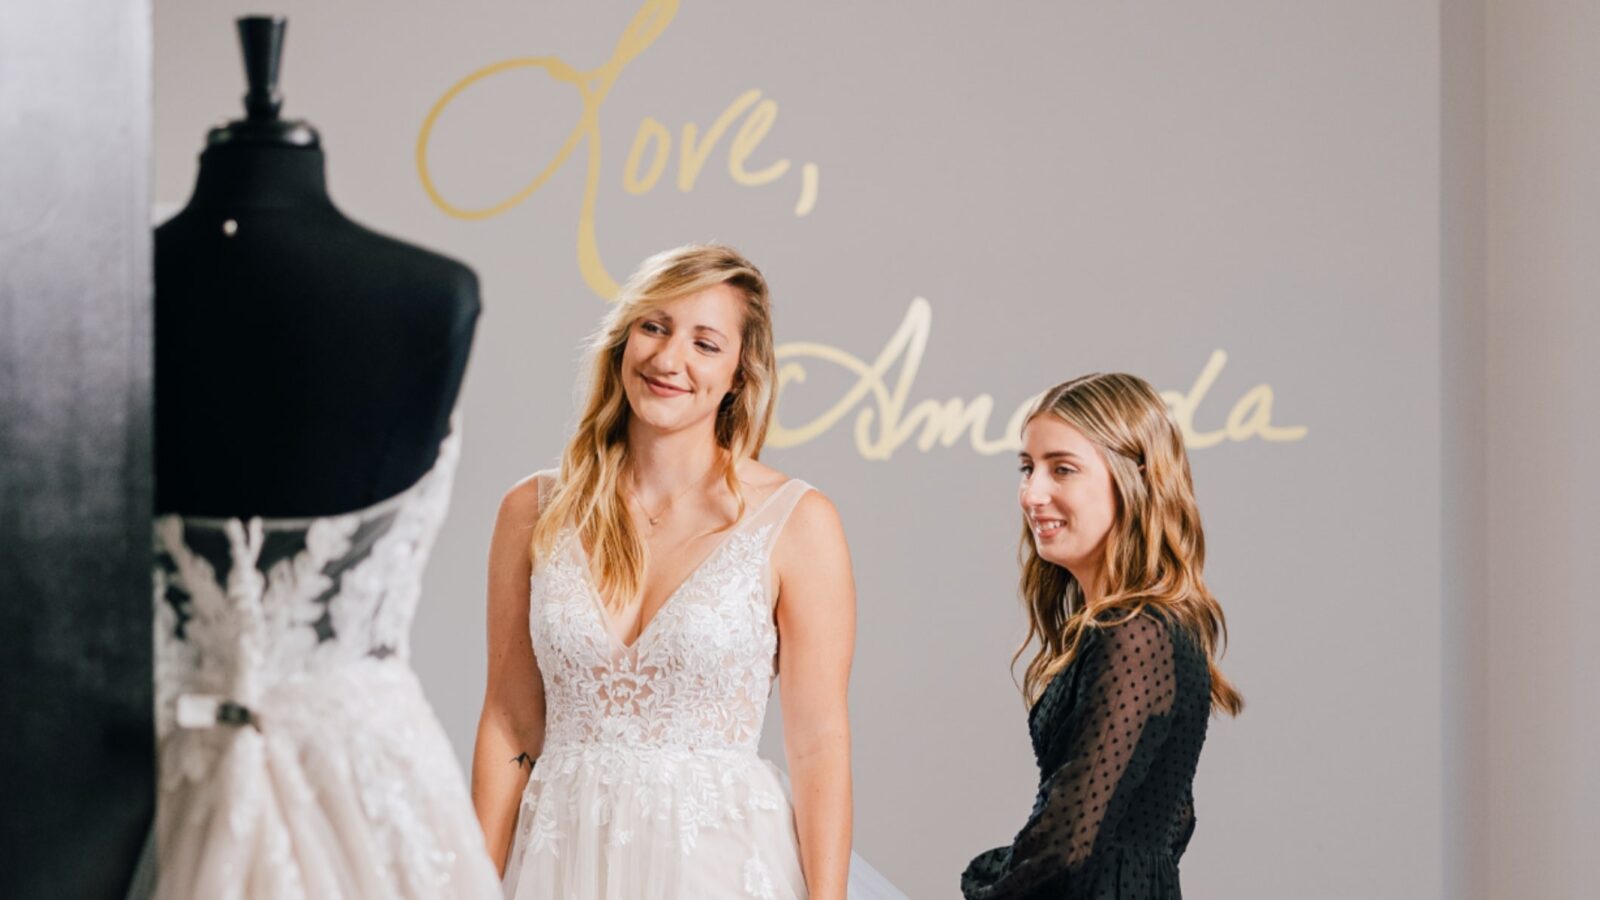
632,651
298,757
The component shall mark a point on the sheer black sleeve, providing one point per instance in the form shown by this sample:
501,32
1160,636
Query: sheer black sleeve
1095,743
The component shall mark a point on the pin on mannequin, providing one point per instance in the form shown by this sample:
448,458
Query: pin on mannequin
305,365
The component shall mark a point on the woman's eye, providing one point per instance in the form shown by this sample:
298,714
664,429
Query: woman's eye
652,328
1025,469
1065,470
707,346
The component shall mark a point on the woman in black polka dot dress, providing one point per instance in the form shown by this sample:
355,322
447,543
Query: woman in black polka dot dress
1122,682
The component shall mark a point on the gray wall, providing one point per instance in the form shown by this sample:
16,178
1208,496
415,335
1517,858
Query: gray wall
1521,131
1070,187
1542,327
1463,464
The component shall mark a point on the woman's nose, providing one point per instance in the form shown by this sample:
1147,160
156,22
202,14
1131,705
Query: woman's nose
1032,492
669,355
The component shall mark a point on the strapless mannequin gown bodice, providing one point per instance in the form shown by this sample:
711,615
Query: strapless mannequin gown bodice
298,756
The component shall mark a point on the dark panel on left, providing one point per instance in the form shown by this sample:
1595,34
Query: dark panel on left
76,758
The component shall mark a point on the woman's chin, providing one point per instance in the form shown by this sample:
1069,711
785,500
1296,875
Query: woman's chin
1051,553
655,418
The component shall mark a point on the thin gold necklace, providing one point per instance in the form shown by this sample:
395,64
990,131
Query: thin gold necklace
666,507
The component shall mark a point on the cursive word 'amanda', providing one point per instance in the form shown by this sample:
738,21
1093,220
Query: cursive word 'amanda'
884,422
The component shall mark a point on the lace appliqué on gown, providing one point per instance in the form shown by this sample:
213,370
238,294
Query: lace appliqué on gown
298,756
649,784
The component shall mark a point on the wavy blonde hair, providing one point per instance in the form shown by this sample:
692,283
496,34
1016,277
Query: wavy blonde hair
591,493
1155,549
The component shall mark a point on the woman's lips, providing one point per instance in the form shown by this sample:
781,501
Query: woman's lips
661,389
1047,528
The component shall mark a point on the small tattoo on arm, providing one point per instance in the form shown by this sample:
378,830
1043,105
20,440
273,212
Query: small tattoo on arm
523,759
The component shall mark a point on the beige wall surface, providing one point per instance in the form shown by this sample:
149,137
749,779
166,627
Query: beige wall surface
959,205
1463,468
1542,329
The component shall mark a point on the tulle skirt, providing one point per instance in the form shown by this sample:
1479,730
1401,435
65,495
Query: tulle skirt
347,789
600,822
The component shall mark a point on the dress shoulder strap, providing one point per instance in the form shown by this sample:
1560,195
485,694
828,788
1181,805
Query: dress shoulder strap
544,482
775,510
768,521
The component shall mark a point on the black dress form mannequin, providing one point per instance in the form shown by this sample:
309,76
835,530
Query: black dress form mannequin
304,365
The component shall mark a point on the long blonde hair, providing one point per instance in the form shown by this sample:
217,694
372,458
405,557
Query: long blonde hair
1155,549
591,493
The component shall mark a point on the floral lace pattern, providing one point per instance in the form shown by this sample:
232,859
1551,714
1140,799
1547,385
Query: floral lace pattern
697,677
303,627
720,788
662,734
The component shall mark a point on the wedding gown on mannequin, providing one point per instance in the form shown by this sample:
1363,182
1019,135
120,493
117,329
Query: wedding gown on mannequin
649,786
298,756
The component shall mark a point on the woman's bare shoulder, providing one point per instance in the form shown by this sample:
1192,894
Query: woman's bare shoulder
520,505
760,477
815,518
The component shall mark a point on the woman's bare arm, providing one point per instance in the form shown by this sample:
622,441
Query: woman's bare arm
511,727
816,639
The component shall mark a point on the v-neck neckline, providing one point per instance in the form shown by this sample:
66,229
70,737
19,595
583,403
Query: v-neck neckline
598,603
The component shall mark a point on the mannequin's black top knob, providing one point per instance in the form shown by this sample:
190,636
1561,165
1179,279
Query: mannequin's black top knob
261,40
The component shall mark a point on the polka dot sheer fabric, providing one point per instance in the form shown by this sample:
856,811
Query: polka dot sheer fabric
1117,735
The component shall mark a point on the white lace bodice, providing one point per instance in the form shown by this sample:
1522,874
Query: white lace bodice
298,756
698,676
649,784
249,609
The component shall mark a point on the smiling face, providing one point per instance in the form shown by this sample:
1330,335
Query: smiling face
1067,496
682,359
